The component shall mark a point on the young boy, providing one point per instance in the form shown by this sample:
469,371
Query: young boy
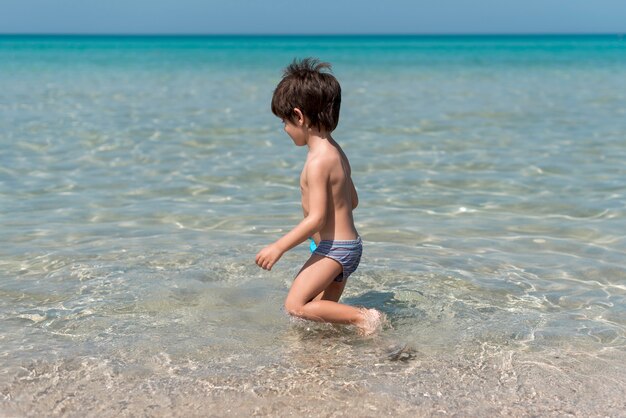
307,100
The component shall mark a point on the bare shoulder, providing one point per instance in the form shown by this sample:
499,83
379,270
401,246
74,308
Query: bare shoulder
320,165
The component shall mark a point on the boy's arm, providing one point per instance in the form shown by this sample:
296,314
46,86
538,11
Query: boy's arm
317,182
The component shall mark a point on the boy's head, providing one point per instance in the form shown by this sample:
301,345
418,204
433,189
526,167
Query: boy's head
316,93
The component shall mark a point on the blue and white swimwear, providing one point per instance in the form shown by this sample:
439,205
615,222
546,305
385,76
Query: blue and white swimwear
347,253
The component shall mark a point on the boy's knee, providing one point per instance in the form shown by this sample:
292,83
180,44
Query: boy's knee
294,308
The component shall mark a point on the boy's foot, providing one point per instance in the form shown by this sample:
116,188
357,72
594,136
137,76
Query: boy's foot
372,320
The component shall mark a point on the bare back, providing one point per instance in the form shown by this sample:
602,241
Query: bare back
342,197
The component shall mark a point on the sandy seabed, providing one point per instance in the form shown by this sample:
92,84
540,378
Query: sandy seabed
492,382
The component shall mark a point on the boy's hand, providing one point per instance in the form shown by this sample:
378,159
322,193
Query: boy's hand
268,256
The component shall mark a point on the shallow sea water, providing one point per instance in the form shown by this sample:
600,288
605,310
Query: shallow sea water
140,176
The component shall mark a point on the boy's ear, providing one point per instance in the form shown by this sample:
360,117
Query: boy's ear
299,116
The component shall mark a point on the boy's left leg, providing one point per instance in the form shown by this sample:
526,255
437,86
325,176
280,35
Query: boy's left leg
304,299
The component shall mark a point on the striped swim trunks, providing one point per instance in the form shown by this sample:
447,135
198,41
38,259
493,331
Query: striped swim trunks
347,253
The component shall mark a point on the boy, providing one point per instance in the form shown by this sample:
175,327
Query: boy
307,100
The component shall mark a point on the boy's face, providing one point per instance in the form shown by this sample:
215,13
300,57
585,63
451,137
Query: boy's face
296,132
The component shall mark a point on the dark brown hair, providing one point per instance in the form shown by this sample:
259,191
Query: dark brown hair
316,93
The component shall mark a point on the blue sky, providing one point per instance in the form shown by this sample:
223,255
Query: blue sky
312,17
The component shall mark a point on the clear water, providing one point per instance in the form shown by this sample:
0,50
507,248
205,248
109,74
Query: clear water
140,176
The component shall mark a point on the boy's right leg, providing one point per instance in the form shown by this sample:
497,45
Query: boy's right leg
332,292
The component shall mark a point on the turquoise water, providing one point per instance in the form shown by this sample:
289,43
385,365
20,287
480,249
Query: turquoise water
139,176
